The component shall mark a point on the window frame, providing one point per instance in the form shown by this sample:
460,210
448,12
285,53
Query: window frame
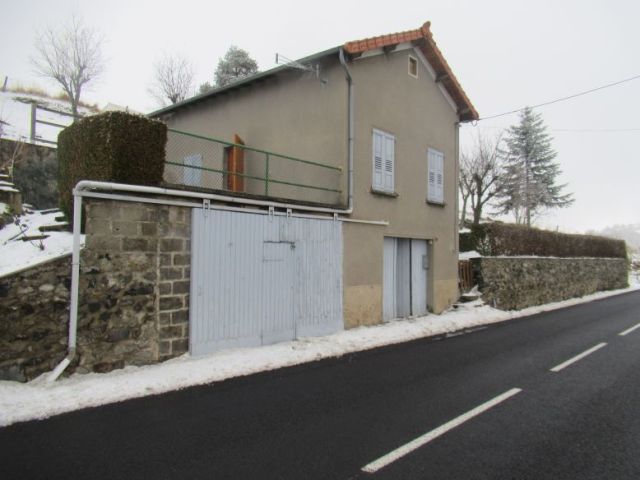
192,178
381,187
415,62
435,165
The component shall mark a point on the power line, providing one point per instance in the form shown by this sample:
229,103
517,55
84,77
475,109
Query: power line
563,98
596,130
576,130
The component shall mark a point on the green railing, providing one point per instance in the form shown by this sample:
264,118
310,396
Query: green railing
204,162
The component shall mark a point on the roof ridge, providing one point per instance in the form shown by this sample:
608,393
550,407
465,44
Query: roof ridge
432,53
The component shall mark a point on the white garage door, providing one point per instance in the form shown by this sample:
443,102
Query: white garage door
259,279
405,278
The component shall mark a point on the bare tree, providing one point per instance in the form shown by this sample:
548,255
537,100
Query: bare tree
173,79
480,176
71,55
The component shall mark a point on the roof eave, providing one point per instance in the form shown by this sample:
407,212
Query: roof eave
466,111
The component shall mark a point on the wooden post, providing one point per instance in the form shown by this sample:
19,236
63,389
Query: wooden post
34,106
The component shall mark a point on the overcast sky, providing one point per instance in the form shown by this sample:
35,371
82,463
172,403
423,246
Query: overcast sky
506,54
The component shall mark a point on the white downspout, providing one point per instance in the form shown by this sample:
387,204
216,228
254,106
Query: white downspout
351,130
75,280
456,231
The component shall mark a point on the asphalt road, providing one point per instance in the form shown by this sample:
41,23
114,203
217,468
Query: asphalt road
334,419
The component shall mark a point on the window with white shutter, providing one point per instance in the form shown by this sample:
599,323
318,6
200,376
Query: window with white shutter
193,176
383,161
435,180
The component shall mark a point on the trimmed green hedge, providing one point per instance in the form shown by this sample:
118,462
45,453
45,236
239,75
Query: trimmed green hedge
504,239
111,147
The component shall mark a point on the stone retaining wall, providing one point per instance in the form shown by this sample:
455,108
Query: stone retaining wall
512,283
134,295
33,319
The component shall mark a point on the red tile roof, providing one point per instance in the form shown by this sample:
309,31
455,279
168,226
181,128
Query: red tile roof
423,39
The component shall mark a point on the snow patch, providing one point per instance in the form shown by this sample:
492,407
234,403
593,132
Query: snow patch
17,255
634,271
468,255
15,112
39,399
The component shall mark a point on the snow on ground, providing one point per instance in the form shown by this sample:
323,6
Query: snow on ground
468,255
16,255
40,399
7,187
634,272
15,112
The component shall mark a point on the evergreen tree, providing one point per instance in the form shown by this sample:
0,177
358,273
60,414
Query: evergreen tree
530,173
204,88
235,65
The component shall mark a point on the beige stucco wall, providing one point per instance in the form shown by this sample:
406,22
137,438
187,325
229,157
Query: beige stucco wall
294,114
417,113
362,274
298,115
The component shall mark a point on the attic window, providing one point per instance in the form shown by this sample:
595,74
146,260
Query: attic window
413,66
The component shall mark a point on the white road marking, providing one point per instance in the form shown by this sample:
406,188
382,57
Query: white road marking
433,434
557,368
629,330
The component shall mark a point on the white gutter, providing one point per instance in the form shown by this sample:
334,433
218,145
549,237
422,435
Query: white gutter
157,201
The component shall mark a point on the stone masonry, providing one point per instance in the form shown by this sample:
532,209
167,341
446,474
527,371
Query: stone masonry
512,283
134,295
34,315
138,259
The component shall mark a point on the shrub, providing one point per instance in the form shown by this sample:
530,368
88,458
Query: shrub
503,239
35,175
112,147
474,239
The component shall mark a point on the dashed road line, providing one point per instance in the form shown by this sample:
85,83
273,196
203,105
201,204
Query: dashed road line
572,360
629,330
433,434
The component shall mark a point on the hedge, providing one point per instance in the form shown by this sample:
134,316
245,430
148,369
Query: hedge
111,147
504,239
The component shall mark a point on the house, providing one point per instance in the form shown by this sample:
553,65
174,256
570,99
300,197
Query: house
366,136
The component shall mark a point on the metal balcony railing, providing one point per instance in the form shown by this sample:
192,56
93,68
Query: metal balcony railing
208,163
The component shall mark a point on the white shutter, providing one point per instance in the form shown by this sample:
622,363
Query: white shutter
389,163
383,161
431,183
193,176
378,141
435,181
